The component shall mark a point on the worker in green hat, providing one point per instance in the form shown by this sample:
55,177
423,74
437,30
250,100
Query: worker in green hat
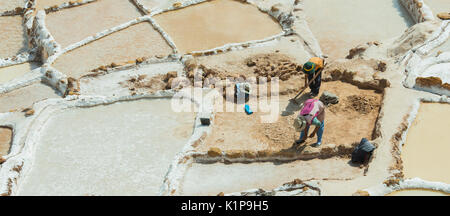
311,68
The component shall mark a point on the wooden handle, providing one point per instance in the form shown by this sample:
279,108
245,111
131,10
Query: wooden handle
315,76
304,88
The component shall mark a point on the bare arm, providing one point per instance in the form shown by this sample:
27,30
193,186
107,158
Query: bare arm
305,132
314,132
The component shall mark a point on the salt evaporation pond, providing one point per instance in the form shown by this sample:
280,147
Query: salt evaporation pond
216,23
7,5
12,72
5,140
438,6
120,149
211,179
340,25
425,152
12,36
25,97
70,25
417,192
136,41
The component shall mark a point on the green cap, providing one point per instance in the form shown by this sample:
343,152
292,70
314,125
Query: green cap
309,68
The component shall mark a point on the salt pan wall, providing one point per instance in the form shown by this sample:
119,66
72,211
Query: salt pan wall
418,10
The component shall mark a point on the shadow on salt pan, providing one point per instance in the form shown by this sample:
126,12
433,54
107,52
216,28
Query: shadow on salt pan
120,149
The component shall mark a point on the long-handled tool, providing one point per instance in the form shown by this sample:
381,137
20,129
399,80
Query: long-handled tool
304,88
307,85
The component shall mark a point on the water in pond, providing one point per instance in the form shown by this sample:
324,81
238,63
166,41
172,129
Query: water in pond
119,149
9,73
211,179
139,40
7,5
417,192
25,97
216,23
340,25
70,25
12,36
425,153
5,140
438,6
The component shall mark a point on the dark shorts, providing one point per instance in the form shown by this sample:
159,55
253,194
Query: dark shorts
315,85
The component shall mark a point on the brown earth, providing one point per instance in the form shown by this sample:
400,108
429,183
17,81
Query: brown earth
152,84
5,140
431,81
259,65
267,65
273,65
345,123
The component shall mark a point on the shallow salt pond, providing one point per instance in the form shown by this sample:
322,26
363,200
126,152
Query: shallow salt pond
12,36
9,73
7,5
216,23
25,97
69,26
417,192
425,152
340,25
139,40
120,149
211,179
5,140
438,6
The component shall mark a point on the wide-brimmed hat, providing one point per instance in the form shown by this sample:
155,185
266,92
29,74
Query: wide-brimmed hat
309,68
300,123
